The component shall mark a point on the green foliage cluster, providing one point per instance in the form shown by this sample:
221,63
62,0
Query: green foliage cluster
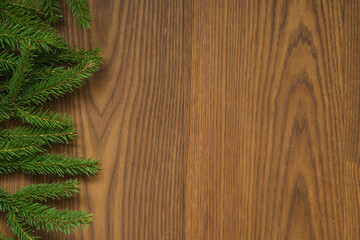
37,65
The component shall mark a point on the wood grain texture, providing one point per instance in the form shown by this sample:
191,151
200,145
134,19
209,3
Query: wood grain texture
131,117
351,67
265,158
218,119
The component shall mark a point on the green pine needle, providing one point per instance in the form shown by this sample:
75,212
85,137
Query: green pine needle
42,192
15,149
14,35
20,72
7,110
37,65
48,136
19,13
68,56
47,164
7,62
80,9
48,119
60,83
52,219
52,11
18,227
25,6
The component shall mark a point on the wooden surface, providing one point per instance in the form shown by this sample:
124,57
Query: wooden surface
219,119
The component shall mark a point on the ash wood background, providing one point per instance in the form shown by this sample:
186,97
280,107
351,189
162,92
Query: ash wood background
219,119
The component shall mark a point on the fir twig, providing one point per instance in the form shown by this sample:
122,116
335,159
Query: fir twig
7,61
11,149
52,219
48,136
47,119
52,10
13,13
80,9
42,192
60,83
19,73
15,35
37,65
60,165
18,227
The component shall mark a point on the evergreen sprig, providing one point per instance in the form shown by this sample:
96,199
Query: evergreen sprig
80,9
7,62
47,136
60,83
24,209
37,65
43,192
14,35
46,164
52,11
37,117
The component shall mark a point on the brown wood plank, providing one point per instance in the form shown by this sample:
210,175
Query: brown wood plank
351,66
130,116
265,154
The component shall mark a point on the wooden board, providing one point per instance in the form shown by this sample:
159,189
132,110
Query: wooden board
218,119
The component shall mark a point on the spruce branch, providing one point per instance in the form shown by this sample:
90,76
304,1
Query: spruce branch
23,211
38,117
20,72
52,10
42,73
48,136
68,56
18,227
14,35
37,65
32,12
15,14
29,6
60,83
14,148
80,9
47,164
7,110
7,61
52,219
45,191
